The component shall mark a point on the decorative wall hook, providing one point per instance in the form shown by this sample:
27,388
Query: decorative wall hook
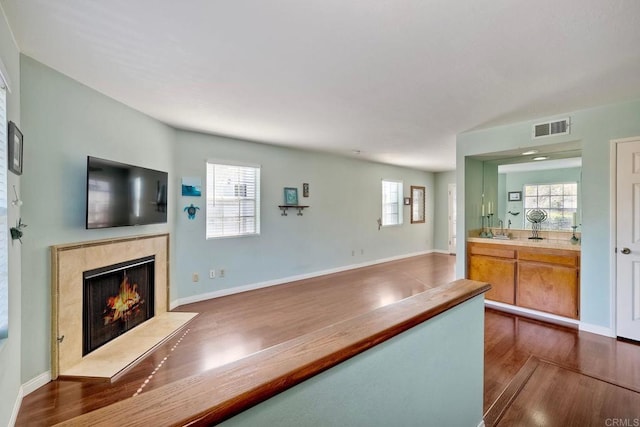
191,211
16,201
16,232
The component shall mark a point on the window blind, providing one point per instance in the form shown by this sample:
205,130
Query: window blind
233,200
391,202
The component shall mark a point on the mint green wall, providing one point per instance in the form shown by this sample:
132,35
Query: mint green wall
595,128
10,363
441,210
515,181
63,122
345,203
470,193
406,381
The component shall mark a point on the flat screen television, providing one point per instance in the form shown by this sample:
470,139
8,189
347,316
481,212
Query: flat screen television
119,194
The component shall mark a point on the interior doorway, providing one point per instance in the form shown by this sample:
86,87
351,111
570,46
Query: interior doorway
452,218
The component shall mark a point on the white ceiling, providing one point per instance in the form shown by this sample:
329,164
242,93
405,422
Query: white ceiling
395,79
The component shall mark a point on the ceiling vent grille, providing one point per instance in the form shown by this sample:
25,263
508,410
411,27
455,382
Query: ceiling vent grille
556,127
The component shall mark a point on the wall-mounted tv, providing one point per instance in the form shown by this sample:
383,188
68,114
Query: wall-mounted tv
119,194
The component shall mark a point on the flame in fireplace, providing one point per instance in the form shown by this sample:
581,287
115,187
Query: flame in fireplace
124,305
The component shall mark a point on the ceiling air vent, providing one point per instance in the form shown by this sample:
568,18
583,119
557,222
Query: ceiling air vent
556,127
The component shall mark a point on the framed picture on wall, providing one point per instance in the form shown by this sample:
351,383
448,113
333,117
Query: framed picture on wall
290,196
15,149
515,196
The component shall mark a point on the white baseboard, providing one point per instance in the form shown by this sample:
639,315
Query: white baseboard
16,408
481,424
552,318
535,314
35,383
281,281
597,329
442,251
26,389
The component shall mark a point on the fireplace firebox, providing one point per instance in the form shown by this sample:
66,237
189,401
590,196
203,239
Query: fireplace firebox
116,299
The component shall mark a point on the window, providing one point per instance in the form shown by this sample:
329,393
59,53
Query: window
233,200
559,201
4,225
391,202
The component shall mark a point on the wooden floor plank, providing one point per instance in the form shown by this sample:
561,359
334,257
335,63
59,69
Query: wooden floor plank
554,396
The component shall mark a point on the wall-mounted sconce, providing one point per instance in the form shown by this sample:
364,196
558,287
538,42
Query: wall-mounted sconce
16,232
16,201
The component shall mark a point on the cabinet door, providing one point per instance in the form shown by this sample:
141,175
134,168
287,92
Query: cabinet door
548,287
499,273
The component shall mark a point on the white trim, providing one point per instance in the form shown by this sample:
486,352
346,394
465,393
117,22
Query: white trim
613,270
224,162
535,314
442,251
253,286
16,408
551,318
597,329
613,234
26,389
4,74
35,383
481,424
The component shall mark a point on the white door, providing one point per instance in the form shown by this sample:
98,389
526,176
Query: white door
452,218
628,239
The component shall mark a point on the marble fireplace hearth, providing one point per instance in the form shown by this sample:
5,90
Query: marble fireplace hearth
68,263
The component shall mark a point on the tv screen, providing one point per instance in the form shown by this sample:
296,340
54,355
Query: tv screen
119,194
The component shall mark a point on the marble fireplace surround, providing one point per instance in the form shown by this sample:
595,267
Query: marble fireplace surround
68,262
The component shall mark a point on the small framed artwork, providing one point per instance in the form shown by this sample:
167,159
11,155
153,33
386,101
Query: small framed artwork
515,196
290,196
191,186
15,149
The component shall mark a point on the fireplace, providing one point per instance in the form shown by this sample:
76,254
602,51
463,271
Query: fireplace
116,299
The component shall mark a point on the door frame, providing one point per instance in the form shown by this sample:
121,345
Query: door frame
613,207
452,232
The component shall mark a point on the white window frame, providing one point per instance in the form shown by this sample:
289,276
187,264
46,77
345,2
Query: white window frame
391,202
567,212
223,199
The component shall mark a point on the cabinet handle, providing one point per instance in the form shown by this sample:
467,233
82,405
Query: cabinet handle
626,251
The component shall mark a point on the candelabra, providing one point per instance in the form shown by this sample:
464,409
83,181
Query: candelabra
574,239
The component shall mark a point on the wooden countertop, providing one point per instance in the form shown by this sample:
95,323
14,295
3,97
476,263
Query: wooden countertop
222,392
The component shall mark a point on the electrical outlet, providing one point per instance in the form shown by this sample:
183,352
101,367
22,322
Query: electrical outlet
195,277
353,253
221,272
212,274
361,251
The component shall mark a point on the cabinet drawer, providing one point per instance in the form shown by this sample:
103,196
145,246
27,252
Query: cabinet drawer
568,259
492,250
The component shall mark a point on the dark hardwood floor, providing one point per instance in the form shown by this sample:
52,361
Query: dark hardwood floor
232,327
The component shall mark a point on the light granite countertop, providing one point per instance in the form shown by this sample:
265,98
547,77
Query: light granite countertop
550,239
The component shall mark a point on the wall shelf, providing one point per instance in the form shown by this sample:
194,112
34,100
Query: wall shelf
285,208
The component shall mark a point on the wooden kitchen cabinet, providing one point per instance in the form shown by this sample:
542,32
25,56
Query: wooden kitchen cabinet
549,280
495,266
544,279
